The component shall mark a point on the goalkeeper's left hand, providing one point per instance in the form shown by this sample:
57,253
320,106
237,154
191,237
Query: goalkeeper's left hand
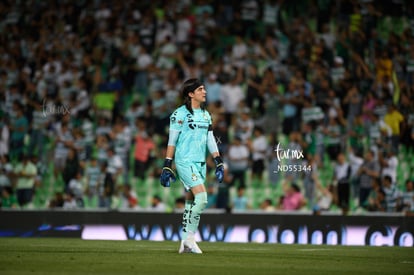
219,169
167,175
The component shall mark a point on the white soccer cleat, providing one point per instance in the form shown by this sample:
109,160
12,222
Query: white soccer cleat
189,246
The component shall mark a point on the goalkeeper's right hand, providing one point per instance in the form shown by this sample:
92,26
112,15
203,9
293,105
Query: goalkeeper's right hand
167,174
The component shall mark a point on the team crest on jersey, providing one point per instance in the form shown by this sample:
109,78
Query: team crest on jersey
194,177
190,121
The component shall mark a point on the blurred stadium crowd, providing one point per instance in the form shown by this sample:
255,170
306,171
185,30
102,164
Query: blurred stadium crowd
312,102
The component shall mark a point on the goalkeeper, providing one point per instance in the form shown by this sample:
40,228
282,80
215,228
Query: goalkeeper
190,135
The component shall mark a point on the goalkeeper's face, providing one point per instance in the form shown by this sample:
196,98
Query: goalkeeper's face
199,94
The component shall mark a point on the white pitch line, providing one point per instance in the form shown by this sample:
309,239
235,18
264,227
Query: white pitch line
314,249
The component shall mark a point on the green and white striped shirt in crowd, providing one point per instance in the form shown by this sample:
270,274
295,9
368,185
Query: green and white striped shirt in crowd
93,175
40,120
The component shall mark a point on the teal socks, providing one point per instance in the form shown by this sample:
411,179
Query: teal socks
186,217
192,212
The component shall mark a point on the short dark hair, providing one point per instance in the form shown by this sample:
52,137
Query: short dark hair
258,128
295,187
388,178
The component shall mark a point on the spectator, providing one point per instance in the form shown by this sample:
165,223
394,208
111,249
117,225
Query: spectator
407,203
135,111
41,173
240,202
231,95
114,166
211,196
76,189
310,112
337,71
388,162
103,128
309,142
8,199
355,161
88,132
38,133
292,197
92,176
295,140
383,65
342,175
273,162
334,143
258,147
167,51
270,15
64,141
290,109
368,105
223,190
70,201
19,127
309,173
249,14
204,24
255,95
393,119
267,205
356,133
271,103
79,144
57,201
213,88
239,52
6,170
106,186
220,129
244,125
325,196
378,203
407,110
161,112
183,29
143,149
71,168
353,100
238,156
392,194
157,204
4,137
121,141
379,133
102,146
368,172
25,173
81,102
129,199
4,179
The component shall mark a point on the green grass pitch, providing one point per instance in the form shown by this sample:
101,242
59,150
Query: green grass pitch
76,256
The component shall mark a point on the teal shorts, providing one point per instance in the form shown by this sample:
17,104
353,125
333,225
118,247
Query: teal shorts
191,174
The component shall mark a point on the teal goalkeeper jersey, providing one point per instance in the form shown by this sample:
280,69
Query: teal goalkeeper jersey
191,145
